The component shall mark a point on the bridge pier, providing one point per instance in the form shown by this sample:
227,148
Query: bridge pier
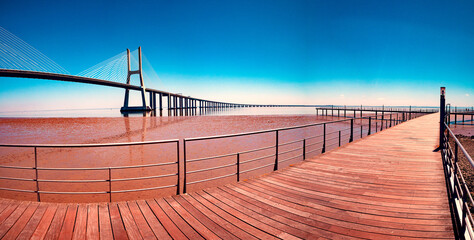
175,101
161,101
144,107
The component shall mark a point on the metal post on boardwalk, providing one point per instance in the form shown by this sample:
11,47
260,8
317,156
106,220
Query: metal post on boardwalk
324,138
276,151
352,130
178,185
370,126
381,123
238,167
36,177
184,162
442,103
304,148
110,184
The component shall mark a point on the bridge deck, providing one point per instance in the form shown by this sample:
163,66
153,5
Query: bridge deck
387,186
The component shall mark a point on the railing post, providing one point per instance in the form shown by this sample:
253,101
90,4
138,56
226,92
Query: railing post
339,138
178,185
324,138
381,123
464,212
36,177
161,101
110,184
184,161
304,148
455,158
376,127
370,126
351,138
276,151
441,116
361,131
238,167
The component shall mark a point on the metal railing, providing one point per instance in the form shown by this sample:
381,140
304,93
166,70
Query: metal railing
300,148
304,147
109,170
458,191
464,118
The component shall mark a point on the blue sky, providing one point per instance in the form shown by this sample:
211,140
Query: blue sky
295,52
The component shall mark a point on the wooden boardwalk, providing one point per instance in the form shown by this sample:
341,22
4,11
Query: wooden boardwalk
387,186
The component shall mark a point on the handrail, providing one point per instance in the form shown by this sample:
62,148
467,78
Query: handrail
466,154
88,144
110,179
264,131
460,196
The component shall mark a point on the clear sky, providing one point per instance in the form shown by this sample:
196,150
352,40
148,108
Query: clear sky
283,52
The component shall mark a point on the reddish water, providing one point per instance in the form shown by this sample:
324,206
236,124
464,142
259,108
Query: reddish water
112,130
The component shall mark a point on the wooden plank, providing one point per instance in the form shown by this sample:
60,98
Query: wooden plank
242,206
363,212
69,220
8,210
169,225
92,222
104,222
209,203
204,219
21,222
218,218
284,217
44,223
80,226
198,226
116,221
4,204
128,221
52,219
8,223
158,229
342,221
139,219
190,232
31,226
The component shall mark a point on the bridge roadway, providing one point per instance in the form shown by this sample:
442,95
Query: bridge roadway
389,185
179,101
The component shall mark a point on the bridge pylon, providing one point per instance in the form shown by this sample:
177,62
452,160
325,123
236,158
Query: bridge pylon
144,107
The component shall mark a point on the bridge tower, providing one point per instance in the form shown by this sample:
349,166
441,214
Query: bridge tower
144,106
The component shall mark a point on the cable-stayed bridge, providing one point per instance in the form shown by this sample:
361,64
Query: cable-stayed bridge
20,60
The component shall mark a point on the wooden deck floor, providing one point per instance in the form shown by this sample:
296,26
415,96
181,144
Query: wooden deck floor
386,186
